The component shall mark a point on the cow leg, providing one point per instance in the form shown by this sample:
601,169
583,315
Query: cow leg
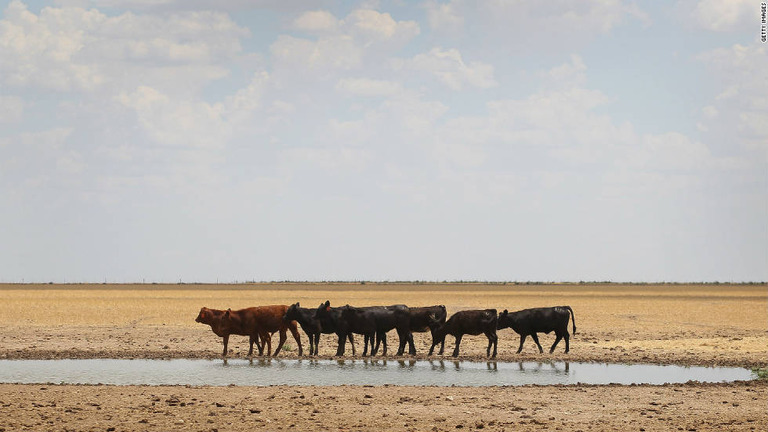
261,345
311,338
316,338
352,342
458,342
557,339
536,339
403,340
366,339
565,335
384,340
342,342
226,342
283,337
492,340
268,337
251,340
495,344
522,339
258,342
296,336
411,345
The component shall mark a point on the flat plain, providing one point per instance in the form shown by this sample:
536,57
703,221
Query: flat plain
697,324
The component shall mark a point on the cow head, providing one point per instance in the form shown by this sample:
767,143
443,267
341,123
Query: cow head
292,313
505,320
204,315
437,328
324,310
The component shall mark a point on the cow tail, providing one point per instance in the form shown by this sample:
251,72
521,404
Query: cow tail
573,318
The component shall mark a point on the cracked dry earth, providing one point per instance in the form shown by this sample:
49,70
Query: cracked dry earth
680,324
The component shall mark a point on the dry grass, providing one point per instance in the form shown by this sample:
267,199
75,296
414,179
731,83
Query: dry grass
621,308
688,324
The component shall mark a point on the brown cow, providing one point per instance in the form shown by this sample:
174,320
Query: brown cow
258,323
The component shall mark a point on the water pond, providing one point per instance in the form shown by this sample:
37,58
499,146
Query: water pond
264,372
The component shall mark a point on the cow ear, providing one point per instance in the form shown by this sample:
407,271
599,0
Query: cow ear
298,304
327,303
226,314
505,312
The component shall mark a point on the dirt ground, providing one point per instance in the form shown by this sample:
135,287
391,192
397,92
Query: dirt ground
680,324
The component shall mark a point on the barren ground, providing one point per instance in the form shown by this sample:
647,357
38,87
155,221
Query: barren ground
681,324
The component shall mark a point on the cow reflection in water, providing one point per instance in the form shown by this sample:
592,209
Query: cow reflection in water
539,366
439,365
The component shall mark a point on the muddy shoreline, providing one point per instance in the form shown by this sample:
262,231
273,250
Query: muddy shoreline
198,342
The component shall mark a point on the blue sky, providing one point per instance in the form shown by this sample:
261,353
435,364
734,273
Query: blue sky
426,140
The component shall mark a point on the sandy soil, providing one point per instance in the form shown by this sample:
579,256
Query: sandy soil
686,407
682,324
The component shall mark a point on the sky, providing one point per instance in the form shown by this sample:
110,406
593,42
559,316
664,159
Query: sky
435,140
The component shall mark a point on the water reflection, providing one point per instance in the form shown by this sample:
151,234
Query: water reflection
541,367
266,371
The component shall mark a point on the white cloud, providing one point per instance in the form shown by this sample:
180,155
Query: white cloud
709,112
721,15
568,75
341,44
737,113
177,122
44,141
11,109
368,87
372,26
449,68
444,17
41,50
325,55
29,160
180,122
335,159
317,22
564,127
73,49
521,26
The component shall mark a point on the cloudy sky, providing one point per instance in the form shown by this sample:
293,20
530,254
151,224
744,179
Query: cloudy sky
146,140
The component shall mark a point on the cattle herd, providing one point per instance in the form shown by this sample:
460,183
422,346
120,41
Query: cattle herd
373,323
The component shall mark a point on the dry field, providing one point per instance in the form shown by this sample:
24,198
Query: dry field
685,324
682,324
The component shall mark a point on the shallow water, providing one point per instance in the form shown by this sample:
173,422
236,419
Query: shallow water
263,372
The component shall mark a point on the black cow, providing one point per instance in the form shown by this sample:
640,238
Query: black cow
540,320
422,321
372,321
312,326
471,322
